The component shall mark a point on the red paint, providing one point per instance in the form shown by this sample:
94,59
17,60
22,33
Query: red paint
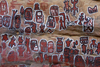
84,48
68,42
34,28
28,14
51,22
74,9
50,47
21,50
4,7
12,21
50,59
97,62
13,66
41,57
98,48
45,65
79,62
21,10
12,42
92,10
34,45
28,30
42,27
55,58
54,10
44,6
39,16
66,54
6,20
17,21
36,6
71,60
67,7
12,56
61,58
1,49
81,18
20,40
93,44
57,65
27,44
62,21
45,57
43,45
89,61
4,37
59,44
3,45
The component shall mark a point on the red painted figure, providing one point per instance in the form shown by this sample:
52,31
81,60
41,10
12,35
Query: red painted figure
55,58
84,40
50,47
81,18
17,21
36,6
3,45
13,17
41,57
51,22
34,45
27,44
4,7
12,42
1,21
68,42
42,28
71,60
97,62
98,49
21,50
88,25
4,37
50,59
12,56
74,8
84,48
54,10
66,54
39,16
21,10
75,43
59,44
92,10
20,40
28,30
28,14
89,61
79,62
34,28
45,57
13,66
91,52
67,7
62,21
6,20
93,44
61,58
43,45
44,6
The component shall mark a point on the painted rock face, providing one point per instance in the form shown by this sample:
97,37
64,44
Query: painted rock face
50,47
43,45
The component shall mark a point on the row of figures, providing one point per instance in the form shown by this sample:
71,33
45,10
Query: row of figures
48,46
55,19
